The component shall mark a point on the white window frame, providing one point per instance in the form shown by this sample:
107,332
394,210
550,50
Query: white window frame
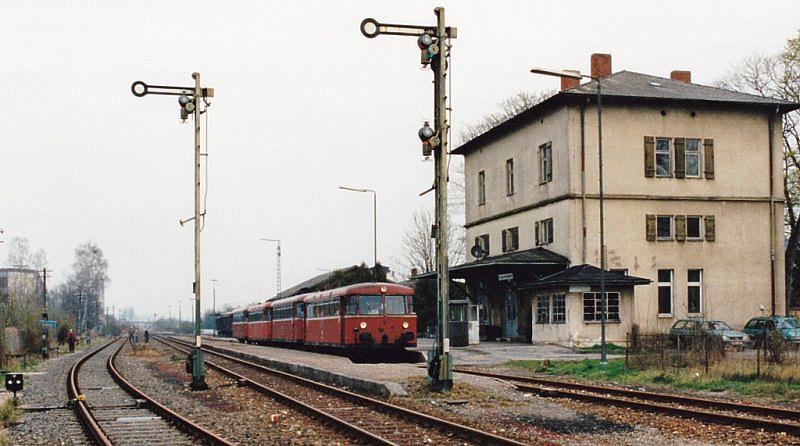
671,228
699,285
669,155
481,187
563,298
597,311
484,242
699,238
545,235
548,300
510,177
698,153
545,163
671,285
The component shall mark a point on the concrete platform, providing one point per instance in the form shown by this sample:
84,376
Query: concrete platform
388,379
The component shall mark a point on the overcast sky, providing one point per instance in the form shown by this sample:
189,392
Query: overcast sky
304,103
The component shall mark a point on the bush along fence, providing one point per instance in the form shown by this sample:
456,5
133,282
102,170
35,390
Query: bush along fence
662,351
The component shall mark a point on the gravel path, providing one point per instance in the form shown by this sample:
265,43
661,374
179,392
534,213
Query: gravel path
48,387
237,414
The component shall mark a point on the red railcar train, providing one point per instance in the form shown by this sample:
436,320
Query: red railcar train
362,316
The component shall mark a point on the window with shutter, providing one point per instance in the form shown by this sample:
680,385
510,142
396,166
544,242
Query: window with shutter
663,157
505,240
680,158
649,157
692,154
680,228
536,232
651,227
708,158
710,230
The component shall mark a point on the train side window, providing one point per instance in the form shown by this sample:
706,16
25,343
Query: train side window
298,311
351,305
410,304
370,305
395,305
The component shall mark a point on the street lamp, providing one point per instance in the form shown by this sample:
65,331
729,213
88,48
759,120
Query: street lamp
578,76
374,226
278,284
188,100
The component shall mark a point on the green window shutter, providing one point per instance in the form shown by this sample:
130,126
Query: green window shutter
708,155
649,156
536,230
680,157
505,241
680,228
651,227
710,228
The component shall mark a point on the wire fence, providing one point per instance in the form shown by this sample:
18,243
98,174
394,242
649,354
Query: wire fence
704,350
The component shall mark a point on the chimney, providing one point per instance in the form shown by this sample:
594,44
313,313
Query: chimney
567,83
414,272
601,65
680,75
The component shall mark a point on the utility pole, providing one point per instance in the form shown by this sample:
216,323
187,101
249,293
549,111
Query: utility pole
279,262
45,318
433,43
188,99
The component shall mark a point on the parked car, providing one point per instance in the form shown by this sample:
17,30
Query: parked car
788,327
688,330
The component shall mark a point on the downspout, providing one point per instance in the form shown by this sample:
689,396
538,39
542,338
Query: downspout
771,127
583,184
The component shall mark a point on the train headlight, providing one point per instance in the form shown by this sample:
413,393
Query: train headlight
405,324
363,325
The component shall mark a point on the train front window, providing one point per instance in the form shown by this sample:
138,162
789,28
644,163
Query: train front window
410,303
370,305
395,305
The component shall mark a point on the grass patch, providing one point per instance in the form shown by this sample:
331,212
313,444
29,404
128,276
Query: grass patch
8,412
777,382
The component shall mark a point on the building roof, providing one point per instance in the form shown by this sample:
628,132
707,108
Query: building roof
629,86
528,257
585,275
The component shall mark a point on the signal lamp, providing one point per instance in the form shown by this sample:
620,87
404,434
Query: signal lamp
183,100
429,139
428,48
425,40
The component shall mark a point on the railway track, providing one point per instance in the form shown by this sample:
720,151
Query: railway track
373,420
113,412
776,419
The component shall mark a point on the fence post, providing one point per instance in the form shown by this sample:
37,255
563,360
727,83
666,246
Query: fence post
708,338
661,348
627,343
678,356
758,360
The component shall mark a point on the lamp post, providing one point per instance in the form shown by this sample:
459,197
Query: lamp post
214,304
278,284
188,100
433,42
603,297
374,226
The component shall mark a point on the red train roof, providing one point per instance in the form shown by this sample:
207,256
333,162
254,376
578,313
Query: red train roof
360,288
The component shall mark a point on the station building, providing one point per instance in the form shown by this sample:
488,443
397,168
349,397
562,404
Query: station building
693,209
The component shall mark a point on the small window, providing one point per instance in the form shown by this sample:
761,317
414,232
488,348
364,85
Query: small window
510,239
544,232
410,304
351,305
693,227
298,311
559,309
695,281
665,292
663,157
543,310
593,307
481,187
664,227
545,163
692,158
510,176
483,242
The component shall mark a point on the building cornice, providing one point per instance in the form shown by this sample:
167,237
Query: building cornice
632,197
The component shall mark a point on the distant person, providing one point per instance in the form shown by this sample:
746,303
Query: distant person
146,336
71,340
130,336
88,338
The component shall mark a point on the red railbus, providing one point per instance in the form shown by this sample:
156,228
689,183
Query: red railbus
287,319
366,316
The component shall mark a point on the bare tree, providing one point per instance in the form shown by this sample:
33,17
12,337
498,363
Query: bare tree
88,280
21,255
420,247
779,76
510,107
